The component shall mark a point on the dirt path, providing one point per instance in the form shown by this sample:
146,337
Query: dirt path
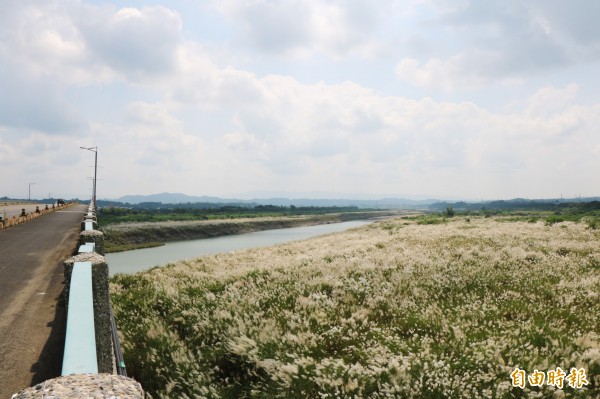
32,321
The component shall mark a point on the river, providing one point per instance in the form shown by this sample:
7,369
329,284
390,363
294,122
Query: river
142,259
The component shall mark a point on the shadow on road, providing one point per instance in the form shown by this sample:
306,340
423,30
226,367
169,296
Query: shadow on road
49,364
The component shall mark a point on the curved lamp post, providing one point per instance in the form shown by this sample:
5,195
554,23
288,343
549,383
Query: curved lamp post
95,151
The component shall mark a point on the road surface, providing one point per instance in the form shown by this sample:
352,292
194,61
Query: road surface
32,320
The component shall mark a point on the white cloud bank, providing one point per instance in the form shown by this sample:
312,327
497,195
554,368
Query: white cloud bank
172,114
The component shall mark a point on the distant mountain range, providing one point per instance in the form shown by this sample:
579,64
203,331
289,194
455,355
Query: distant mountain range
171,198
386,203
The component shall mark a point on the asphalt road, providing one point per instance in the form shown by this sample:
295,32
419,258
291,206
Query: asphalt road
32,319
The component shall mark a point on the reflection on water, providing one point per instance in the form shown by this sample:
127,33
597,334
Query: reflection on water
142,259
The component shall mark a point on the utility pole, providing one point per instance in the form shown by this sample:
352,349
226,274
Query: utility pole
30,184
95,151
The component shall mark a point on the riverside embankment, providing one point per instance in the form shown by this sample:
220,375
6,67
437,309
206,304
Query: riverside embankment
125,236
147,258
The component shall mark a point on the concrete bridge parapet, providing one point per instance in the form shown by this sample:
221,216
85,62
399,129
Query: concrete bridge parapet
95,236
105,381
77,386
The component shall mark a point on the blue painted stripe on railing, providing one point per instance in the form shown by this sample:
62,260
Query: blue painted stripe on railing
80,342
89,226
87,248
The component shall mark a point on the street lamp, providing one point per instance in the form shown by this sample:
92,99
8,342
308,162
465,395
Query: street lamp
30,184
95,150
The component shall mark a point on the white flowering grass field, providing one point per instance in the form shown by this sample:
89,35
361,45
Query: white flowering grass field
395,309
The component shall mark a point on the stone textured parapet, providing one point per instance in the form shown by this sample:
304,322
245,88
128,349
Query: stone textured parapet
77,386
95,236
94,224
104,349
91,215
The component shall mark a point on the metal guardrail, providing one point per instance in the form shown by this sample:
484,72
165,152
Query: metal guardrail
120,362
80,341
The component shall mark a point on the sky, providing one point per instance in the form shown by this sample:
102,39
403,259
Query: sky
472,99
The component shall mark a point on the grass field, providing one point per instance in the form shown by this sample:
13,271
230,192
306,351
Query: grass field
397,309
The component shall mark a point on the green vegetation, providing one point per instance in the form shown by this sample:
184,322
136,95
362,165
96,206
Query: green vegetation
507,211
113,215
395,309
429,218
531,211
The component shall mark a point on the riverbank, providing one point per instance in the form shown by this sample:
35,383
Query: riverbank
130,262
128,236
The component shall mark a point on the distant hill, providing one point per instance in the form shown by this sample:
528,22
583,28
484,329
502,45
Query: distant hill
172,198
387,203
383,203
178,198
513,204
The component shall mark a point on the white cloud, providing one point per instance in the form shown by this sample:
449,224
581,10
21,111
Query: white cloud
83,44
152,115
45,41
304,28
133,41
548,101
50,47
436,73
290,130
476,68
8,153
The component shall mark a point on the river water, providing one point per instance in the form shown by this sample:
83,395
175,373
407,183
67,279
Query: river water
146,258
